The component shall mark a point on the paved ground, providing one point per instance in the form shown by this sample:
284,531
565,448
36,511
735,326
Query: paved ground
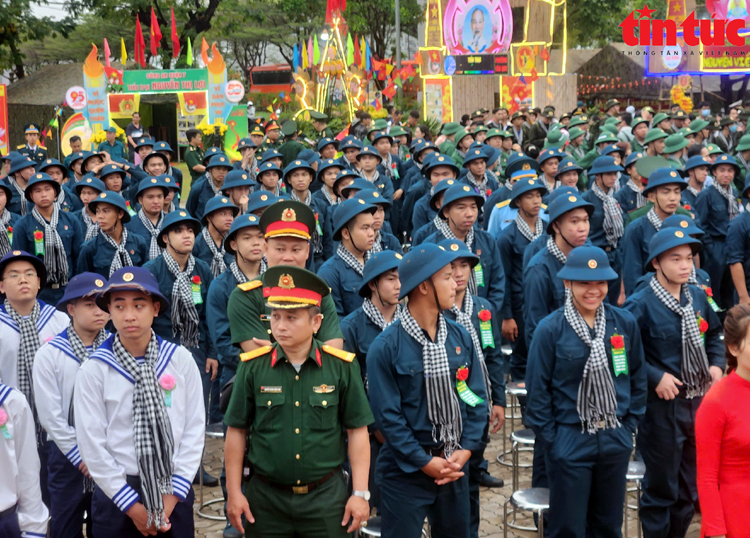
492,499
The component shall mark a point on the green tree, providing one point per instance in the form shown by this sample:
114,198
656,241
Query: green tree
594,23
375,19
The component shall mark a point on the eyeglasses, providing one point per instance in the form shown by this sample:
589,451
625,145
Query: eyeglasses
15,276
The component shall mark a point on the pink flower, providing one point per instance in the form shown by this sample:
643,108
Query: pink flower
167,382
3,417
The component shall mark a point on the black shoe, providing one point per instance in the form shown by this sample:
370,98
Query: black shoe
231,532
208,480
486,480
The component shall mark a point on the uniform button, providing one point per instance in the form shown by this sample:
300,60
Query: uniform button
296,403
296,430
269,403
269,331
325,403
297,456
296,377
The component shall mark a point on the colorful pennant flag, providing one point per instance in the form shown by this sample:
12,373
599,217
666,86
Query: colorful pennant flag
363,52
305,57
190,53
155,33
175,38
357,54
349,49
368,62
310,61
295,58
106,53
545,54
140,44
123,51
316,51
204,51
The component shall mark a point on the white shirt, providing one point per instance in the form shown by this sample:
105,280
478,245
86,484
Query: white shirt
103,404
19,461
50,323
55,369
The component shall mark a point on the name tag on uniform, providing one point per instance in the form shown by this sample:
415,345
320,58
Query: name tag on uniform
265,317
324,389
272,390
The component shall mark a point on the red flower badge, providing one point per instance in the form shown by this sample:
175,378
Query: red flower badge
38,235
687,206
196,280
702,324
489,192
708,291
617,341
485,315
10,229
462,374
393,165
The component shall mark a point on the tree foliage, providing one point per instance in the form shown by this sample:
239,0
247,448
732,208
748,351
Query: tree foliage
375,19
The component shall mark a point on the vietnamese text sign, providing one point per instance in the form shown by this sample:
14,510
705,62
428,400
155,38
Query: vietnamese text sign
165,81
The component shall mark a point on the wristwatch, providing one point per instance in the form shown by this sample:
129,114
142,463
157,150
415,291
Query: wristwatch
364,494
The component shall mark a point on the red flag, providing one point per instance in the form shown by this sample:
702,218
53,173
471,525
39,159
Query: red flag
155,33
343,133
140,44
106,52
357,54
175,38
545,54
204,51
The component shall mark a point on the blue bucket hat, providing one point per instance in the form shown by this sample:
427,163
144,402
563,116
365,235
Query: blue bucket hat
175,218
268,167
150,183
459,191
156,155
562,204
632,158
114,199
236,178
587,264
78,156
666,175
299,164
372,196
271,154
378,264
10,156
308,156
667,239
433,160
380,135
215,204
40,178
80,286
325,165
20,163
423,146
359,184
561,191
684,223
323,142
522,186
519,161
346,211
261,200
110,169
414,143
92,182
474,154
144,141
240,223
246,143
726,159
567,165
22,255
210,152
694,162
548,154
614,148
132,279
345,173
442,186
603,165
462,251
163,146
169,181
371,151
420,263
50,163
219,161
350,142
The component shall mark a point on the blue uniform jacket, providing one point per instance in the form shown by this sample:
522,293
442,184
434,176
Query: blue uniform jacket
14,217
543,292
163,323
557,358
384,186
627,197
202,252
493,356
14,204
495,198
512,245
662,334
423,233
419,187
135,226
700,275
597,236
344,283
738,244
359,333
635,251
97,254
688,200
535,246
325,217
199,195
489,259
713,211
423,213
398,397
216,310
116,150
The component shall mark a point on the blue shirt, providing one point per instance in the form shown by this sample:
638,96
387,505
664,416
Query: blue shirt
512,245
14,204
216,310
200,194
97,254
202,251
423,233
543,292
713,211
627,197
738,244
423,213
557,359
116,150
135,226
635,251
344,283
359,333
398,395
495,198
597,236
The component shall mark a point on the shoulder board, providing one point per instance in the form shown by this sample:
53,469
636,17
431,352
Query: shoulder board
544,206
248,286
340,353
250,355
21,146
42,147
502,204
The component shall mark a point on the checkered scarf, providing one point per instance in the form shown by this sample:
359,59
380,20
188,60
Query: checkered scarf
463,317
19,190
29,345
351,260
377,246
387,164
92,228
597,400
185,318
375,177
374,315
480,185
550,188
315,239
613,225
240,277
80,351
218,265
55,258
152,430
329,197
525,230
213,186
60,199
443,407
122,256
640,201
732,205
4,240
694,370
444,229
693,279
693,190
154,250
559,256
654,219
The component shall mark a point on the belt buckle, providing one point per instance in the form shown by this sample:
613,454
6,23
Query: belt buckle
300,490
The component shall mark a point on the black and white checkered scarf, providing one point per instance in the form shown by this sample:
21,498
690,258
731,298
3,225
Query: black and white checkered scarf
443,408
377,245
597,400
154,250
240,277
92,227
694,370
613,222
27,350
732,205
330,198
525,230
387,164
19,190
185,320
640,201
374,315
444,229
351,260
463,318
218,265
213,186
55,258
559,256
550,188
654,219
60,199
315,239
481,185
695,192
122,256
4,239
152,430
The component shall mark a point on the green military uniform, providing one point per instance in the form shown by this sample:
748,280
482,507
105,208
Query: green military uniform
290,148
448,147
194,157
319,116
267,144
641,211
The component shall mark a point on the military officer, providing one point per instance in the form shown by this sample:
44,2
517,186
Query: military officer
320,123
291,147
32,148
272,133
194,155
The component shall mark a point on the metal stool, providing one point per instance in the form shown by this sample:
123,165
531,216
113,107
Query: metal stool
373,528
634,475
531,500
524,437
215,431
513,391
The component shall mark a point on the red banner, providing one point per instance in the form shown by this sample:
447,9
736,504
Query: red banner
4,142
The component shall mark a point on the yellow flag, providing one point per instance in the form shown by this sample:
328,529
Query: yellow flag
124,51
305,62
